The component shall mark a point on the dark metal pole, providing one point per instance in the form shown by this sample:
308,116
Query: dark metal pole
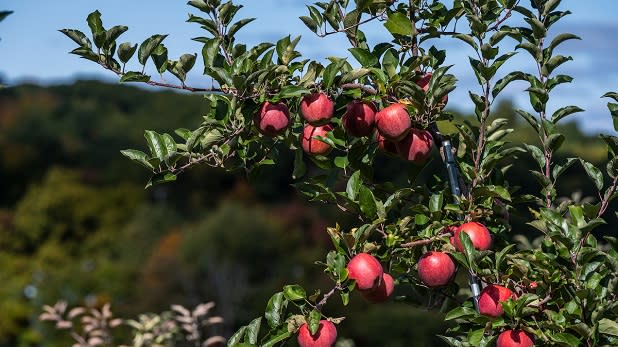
457,189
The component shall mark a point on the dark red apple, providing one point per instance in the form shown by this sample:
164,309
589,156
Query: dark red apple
317,108
478,233
385,145
325,337
312,145
423,82
491,299
272,118
514,338
436,269
382,292
393,122
416,146
366,270
359,118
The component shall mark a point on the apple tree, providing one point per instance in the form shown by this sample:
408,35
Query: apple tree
341,115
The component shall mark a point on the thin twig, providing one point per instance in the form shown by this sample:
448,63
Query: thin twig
327,33
327,296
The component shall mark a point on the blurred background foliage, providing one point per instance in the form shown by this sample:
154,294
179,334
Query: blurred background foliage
76,223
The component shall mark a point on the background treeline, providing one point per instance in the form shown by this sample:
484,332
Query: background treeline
76,223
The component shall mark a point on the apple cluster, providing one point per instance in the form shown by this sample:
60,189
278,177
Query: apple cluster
435,269
395,133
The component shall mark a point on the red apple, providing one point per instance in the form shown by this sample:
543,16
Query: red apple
393,122
424,83
312,145
514,338
325,337
479,235
366,270
385,145
382,292
272,118
359,118
491,298
436,269
416,146
317,108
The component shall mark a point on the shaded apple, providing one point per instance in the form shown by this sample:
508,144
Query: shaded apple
382,292
514,338
359,118
478,233
324,337
436,269
366,270
272,118
416,146
385,145
423,82
312,145
317,108
491,299
393,122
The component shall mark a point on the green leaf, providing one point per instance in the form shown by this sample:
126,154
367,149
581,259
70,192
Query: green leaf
238,336
560,38
290,91
537,154
156,144
612,95
96,27
310,23
314,322
353,186
553,63
134,76
554,141
435,202
467,39
78,37
112,34
563,112
238,25
148,46
282,336
160,178
460,312
468,249
399,24
126,51
330,72
367,202
594,173
566,338
294,292
253,330
4,14
560,168
608,327
364,57
538,29
354,75
138,156
274,310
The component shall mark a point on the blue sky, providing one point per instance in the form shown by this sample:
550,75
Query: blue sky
33,50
